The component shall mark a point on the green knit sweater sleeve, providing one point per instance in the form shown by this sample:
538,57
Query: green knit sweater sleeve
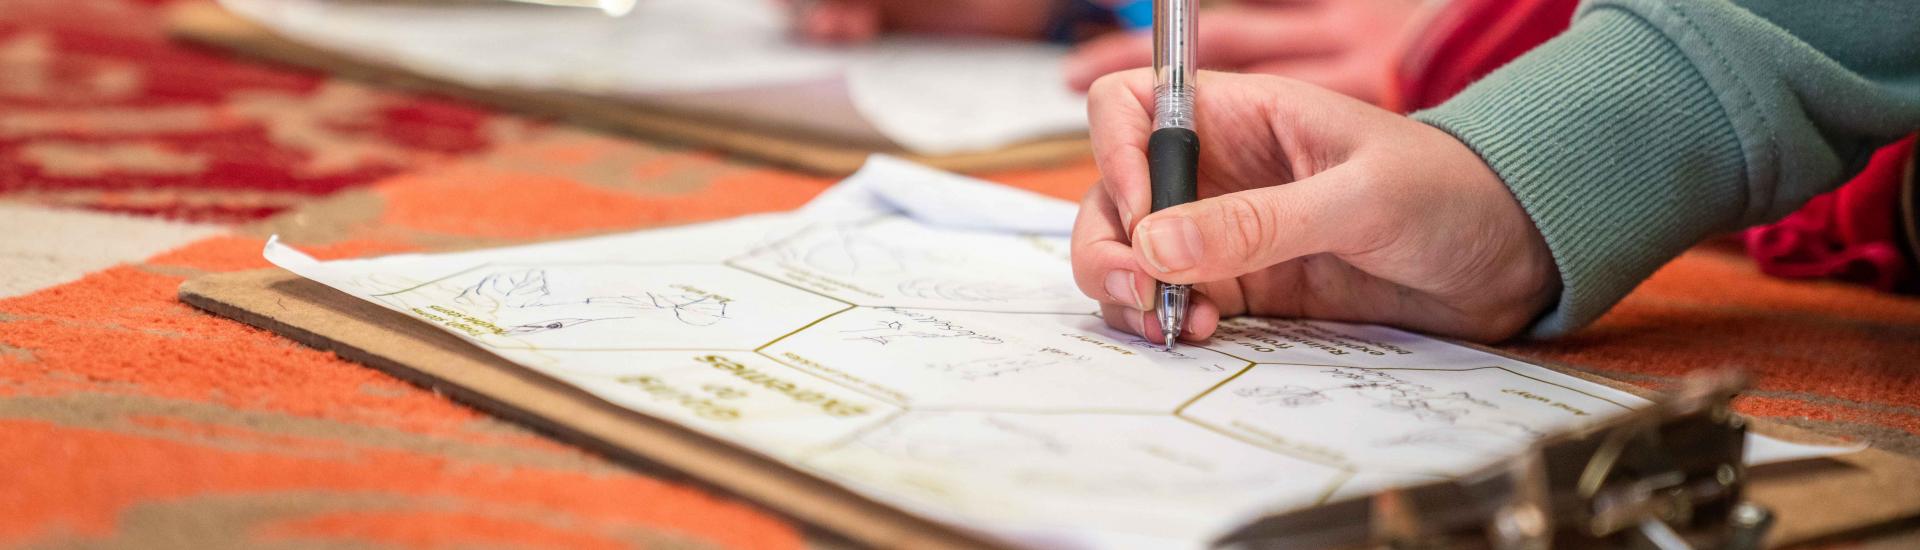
1652,124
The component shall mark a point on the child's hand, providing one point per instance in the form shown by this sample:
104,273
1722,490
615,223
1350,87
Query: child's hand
1312,205
1343,45
856,21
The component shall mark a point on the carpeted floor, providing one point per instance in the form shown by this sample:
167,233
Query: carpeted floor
130,420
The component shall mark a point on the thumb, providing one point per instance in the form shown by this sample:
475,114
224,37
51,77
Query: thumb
1230,235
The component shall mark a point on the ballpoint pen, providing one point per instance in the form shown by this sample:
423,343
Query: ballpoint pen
1174,148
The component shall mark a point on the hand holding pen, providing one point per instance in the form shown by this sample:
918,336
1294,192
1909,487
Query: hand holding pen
1310,204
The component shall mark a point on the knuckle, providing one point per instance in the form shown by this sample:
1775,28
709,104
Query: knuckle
1247,221
1108,87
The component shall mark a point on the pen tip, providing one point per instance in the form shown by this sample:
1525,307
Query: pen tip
1170,330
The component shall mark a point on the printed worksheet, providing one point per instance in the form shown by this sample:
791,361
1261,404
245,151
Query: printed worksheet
958,374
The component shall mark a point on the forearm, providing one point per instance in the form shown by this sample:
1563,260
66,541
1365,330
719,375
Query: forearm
1651,124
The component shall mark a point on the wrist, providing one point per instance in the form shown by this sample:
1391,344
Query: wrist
1616,148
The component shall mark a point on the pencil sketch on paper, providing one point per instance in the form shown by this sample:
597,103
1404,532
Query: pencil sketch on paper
1001,365
1453,419
1289,395
1386,391
981,290
529,290
846,250
917,325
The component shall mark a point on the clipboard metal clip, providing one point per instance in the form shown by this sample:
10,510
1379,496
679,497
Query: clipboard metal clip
1665,477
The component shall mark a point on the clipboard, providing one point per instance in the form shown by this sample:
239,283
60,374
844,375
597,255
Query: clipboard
206,23
1825,499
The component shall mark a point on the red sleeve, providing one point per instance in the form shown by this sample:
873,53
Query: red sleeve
1466,39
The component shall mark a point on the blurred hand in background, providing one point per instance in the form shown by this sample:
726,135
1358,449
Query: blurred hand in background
856,21
1343,45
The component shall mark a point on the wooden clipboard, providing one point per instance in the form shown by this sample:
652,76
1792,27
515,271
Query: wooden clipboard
1816,500
204,22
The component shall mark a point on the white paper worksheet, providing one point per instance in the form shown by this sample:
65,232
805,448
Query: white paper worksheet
958,374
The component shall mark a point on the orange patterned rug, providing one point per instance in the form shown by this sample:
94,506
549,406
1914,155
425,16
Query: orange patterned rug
132,420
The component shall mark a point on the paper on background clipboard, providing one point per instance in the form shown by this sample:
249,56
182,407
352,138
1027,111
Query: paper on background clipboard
731,58
953,371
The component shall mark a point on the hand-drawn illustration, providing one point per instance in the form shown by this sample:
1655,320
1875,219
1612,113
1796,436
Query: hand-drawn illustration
528,289
989,367
1394,420
1286,396
613,306
1388,392
1019,361
537,327
982,291
888,263
916,325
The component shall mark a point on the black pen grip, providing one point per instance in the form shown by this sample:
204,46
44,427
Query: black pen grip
1172,156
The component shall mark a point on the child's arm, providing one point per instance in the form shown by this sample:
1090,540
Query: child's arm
1652,124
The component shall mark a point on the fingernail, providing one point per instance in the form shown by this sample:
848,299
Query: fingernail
1120,287
1126,220
1170,244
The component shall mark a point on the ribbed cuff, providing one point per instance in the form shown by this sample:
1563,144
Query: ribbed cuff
1615,146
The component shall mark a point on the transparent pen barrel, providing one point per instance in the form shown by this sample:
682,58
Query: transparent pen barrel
1173,298
1173,108
1174,38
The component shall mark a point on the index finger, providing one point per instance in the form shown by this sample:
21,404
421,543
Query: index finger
1119,120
